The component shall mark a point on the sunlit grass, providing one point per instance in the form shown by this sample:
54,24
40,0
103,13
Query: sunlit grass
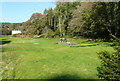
22,59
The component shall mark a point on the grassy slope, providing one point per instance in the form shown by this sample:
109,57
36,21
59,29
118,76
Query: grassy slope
24,60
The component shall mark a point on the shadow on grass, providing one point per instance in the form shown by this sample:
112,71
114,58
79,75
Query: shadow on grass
59,77
4,41
69,77
85,45
64,76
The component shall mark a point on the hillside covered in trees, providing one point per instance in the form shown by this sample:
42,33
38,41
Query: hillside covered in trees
74,19
6,28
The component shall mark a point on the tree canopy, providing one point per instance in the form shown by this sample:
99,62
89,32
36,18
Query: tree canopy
96,20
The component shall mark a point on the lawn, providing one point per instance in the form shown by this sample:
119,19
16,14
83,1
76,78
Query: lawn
42,58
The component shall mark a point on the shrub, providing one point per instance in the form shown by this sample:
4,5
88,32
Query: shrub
14,35
110,63
50,34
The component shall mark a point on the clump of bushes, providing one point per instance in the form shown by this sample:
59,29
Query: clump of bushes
110,63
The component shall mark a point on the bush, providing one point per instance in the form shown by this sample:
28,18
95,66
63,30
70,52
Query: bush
110,63
14,35
50,34
17,35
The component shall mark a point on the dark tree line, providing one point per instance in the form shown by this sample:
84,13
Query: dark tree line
74,19
64,20
102,20
91,20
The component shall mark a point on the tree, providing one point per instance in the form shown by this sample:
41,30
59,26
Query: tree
75,24
110,63
64,12
102,20
33,25
49,15
5,31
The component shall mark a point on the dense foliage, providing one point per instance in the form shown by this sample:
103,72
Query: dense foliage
110,63
64,20
88,19
6,28
33,25
102,20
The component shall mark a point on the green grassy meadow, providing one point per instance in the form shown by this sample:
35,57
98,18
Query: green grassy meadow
42,58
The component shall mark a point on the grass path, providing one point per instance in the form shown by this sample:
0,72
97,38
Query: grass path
46,60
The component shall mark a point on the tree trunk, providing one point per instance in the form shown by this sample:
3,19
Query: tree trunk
60,25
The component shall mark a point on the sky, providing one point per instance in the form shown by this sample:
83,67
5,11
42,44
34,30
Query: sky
17,12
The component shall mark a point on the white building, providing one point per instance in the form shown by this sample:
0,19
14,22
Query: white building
16,32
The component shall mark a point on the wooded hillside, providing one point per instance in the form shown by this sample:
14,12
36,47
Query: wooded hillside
96,20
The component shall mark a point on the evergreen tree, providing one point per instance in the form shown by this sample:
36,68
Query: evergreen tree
110,63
